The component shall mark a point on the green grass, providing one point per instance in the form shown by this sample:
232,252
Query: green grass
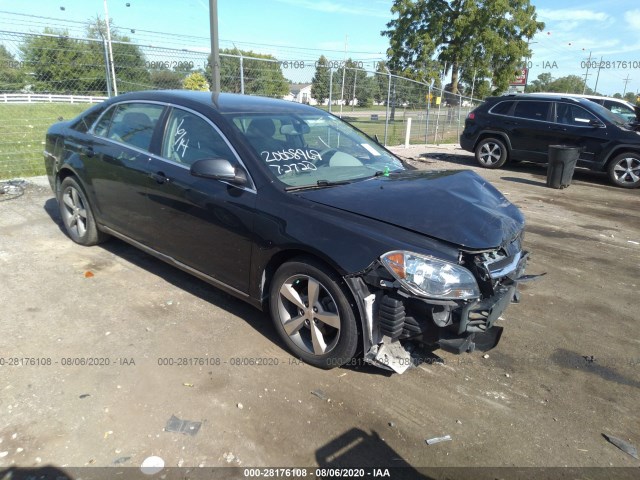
25,126
23,134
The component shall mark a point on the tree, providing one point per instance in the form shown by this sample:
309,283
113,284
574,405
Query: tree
350,73
381,82
464,35
128,59
320,80
12,76
59,64
617,95
163,78
196,81
630,97
569,84
262,73
540,84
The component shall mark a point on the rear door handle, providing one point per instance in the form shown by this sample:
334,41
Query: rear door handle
88,151
160,177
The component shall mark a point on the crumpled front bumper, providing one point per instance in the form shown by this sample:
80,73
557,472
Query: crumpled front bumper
391,315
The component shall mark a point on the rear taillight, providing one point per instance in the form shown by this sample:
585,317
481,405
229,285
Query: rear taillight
471,116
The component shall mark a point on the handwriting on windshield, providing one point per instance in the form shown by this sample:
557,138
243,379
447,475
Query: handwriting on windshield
291,154
294,167
180,141
304,163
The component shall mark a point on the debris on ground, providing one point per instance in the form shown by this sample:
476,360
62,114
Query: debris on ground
320,394
434,440
626,447
186,427
121,460
152,465
84,395
240,406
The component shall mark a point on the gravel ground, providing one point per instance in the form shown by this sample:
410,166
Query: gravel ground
565,373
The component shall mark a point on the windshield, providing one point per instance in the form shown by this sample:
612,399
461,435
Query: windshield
312,149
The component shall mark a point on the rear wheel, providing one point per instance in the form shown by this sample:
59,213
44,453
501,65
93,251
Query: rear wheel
491,153
77,215
311,311
624,170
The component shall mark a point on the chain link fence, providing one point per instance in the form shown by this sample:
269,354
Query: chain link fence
45,77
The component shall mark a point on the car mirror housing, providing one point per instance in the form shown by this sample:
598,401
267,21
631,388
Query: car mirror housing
219,169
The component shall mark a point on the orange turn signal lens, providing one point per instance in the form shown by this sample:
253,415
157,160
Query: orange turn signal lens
395,262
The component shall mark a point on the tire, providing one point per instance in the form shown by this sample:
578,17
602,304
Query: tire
491,153
77,214
624,170
323,332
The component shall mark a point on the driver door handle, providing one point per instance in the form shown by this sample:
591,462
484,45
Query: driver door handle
160,177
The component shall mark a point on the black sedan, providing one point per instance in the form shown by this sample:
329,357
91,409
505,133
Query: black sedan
293,210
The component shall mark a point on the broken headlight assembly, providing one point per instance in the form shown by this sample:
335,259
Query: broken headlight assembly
431,277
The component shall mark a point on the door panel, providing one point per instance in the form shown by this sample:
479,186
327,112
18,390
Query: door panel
119,167
572,128
204,223
530,132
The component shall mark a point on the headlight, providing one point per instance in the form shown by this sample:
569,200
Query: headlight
430,277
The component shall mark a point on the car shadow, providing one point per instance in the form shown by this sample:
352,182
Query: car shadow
524,180
190,284
357,449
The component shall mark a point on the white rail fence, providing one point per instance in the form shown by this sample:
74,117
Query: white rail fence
48,98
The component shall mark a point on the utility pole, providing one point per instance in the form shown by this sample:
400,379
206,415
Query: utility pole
215,50
626,80
113,70
344,72
586,75
598,76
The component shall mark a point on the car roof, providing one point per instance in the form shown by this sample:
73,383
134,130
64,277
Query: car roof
588,97
224,102
541,96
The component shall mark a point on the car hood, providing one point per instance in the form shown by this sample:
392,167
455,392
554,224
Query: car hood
459,207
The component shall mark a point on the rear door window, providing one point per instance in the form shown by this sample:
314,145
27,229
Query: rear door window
532,110
130,123
502,108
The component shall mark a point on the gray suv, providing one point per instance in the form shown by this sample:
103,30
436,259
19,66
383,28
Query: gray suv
521,127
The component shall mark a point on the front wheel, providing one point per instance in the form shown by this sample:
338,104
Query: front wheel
311,311
624,170
77,215
491,153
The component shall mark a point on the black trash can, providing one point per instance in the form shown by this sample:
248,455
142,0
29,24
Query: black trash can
562,163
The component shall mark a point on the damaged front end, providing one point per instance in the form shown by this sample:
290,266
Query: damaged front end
409,297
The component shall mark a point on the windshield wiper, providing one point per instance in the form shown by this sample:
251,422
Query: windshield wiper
318,184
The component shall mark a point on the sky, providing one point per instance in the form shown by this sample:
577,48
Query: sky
302,30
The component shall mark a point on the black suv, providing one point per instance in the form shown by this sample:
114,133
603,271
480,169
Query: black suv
521,127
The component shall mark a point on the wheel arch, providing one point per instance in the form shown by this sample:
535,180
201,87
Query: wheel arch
491,134
63,173
619,151
299,254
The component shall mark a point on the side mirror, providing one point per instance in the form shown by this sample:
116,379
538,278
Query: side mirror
219,169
